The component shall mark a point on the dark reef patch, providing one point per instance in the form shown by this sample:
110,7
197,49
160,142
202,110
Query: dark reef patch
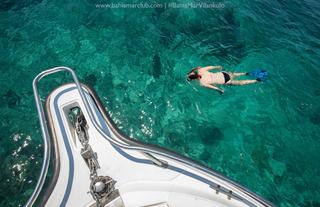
14,5
210,135
315,119
12,98
156,66
90,79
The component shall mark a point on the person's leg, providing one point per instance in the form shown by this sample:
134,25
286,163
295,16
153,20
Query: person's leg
237,74
241,82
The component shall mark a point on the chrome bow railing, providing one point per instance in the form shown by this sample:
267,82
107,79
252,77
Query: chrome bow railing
148,152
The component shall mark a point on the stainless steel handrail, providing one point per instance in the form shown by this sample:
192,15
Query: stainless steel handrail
148,152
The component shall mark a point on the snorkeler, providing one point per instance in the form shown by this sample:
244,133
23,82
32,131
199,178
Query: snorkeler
209,79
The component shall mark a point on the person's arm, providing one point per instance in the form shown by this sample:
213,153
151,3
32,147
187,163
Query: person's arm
211,67
214,87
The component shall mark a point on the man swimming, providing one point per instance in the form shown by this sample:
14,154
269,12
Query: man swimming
210,80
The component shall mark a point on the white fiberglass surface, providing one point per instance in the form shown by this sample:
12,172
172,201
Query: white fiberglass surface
139,182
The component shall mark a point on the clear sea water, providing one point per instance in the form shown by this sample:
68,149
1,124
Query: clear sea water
264,136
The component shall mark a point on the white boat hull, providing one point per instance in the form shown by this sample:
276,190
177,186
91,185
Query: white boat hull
139,181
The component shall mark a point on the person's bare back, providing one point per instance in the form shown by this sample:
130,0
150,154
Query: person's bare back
211,78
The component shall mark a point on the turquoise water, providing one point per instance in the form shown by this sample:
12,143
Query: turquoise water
265,136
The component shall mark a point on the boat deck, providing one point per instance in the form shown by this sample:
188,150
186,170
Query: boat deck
140,181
